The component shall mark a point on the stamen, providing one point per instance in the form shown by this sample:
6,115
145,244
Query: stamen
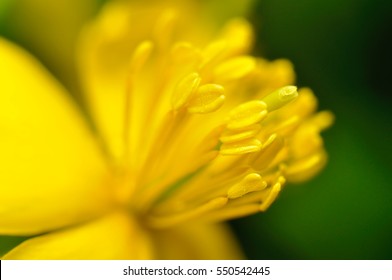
322,120
306,168
139,58
259,196
251,183
280,73
235,68
249,204
114,23
164,27
306,141
208,98
180,166
268,153
271,197
230,212
306,104
230,136
247,114
185,89
211,53
211,140
285,127
280,97
168,221
172,124
185,52
270,140
242,147
239,34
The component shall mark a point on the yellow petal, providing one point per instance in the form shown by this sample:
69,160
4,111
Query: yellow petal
197,241
115,236
52,173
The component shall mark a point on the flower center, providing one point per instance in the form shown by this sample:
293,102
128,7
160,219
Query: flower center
211,132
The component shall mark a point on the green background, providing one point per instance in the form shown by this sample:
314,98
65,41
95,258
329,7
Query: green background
342,50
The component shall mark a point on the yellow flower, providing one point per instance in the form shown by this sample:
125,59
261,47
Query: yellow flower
191,131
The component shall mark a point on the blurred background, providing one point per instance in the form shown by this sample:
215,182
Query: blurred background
342,50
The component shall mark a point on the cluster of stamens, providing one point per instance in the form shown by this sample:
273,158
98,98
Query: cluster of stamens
220,131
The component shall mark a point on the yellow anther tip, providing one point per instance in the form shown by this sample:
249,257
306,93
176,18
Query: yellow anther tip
239,148
184,52
306,168
210,89
209,98
231,136
208,107
235,68
324,119
251,183
185,89
271,197
140,55
270,140
212,52
218,202
247,114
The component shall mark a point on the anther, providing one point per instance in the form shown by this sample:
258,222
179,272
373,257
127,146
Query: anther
230,136
280,97
242,147
168,221
268,153
251,183
207,99
271,197
306,103
322,120
306,168
270,140
235,68
185,89
247,114
164,27
140,56
185,52
306,141
239,34
212,52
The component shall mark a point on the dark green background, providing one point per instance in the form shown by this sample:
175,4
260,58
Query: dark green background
342,50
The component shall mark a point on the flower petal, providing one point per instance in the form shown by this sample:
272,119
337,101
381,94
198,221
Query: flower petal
115,236
52,173
197,241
